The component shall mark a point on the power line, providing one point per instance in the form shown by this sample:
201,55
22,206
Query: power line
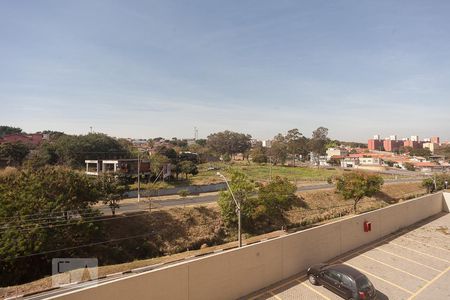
76,247
103,218
72,224
115,240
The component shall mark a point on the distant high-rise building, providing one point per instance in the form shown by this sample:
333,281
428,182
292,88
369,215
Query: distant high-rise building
412,144
392,145
377,137
435,140
375,144
267,143
393,137
414,138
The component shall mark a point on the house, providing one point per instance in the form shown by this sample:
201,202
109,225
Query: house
336,152
121,166
428,166
350,162
369,160
32,139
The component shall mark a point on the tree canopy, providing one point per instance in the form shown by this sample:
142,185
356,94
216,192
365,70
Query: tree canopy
357,185
4,130
228,142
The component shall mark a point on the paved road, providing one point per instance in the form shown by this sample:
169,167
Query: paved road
144,204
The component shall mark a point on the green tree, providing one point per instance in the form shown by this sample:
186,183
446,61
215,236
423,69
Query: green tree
188,167
258,154
425,152
73,150
318,141
13,153
111,190
443,150
43,210
228,142
357,185
435,183
277,197
157,162
244,191
4,130
296,143
279,150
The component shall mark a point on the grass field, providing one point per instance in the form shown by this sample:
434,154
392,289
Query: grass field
258,172
208,174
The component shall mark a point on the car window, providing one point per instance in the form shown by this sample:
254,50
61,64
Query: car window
347,282
333,275
363,283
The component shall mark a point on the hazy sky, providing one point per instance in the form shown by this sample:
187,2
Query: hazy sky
159,68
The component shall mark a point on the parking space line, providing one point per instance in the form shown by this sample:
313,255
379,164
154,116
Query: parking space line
379,278
314,290
410,260
429,283
278,287
276,296
428,245
419,252
395,268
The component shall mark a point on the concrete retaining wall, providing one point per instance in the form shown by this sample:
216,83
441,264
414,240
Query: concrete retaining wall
236,273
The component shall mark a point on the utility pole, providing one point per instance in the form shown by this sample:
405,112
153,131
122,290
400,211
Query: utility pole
139,176
238,208
270,170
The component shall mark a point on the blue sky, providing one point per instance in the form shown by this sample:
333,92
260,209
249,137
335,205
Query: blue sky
159,68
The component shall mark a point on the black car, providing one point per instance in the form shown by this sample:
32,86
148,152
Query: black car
343,280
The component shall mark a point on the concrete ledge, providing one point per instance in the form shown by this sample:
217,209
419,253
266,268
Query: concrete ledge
446,202
238,272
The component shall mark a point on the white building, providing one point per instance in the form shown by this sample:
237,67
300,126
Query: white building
336,152
267,143
431,146
370,161
393,137
414,138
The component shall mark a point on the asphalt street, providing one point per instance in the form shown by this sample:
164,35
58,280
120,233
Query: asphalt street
128,207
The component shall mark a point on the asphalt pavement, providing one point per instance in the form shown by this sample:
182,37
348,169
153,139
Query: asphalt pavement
134,206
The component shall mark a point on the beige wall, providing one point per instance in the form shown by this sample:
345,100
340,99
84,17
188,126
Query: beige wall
236,273
446,202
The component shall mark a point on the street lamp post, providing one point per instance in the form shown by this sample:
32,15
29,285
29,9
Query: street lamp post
238,208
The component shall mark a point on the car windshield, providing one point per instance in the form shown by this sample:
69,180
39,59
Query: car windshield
363,283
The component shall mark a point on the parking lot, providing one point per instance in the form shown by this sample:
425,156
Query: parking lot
411,264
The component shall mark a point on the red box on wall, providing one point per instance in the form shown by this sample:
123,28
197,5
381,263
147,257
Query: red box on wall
367,226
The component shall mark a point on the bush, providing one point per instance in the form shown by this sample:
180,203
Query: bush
184,193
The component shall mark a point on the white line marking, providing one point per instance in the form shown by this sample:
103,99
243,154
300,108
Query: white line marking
419,252
428,245
429,283
395,268
410,260
379,278
314,290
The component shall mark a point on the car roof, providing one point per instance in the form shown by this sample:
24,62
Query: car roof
345,270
